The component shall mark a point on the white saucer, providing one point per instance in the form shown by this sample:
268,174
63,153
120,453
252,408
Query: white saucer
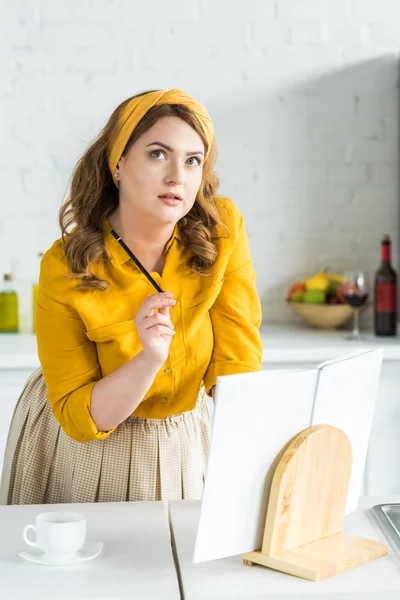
88,551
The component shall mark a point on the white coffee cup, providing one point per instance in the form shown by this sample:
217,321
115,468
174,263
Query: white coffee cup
60,534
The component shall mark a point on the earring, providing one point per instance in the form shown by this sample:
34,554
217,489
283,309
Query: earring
116,174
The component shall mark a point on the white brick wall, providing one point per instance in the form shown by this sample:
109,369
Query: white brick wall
303,93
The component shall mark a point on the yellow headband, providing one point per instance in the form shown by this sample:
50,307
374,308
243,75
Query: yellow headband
135,110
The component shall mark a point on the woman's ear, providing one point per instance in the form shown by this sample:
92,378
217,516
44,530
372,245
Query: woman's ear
117,171
120,166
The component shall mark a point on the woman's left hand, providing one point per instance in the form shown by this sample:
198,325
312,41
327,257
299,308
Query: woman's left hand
213,392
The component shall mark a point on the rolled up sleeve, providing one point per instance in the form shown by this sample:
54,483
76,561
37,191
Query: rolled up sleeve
236,317
68,358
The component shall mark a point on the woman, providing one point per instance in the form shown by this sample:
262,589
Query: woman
118,410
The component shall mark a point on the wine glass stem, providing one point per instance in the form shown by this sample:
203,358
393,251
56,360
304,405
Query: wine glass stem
356,327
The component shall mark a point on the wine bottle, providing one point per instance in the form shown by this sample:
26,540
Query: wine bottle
385,302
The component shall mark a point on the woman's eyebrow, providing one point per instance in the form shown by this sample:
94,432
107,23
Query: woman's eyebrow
171,149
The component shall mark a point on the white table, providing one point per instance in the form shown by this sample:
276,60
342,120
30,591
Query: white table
136,561
230,578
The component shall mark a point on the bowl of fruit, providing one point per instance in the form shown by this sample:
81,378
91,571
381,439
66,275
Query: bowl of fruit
319,300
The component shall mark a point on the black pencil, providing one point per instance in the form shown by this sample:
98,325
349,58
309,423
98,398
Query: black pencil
136,261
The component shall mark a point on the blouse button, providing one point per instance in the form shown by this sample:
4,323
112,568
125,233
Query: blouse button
168,370
165,400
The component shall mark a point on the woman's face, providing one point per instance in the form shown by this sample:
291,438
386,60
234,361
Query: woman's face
167,159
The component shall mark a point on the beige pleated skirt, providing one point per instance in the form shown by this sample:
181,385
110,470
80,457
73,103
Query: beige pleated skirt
143,459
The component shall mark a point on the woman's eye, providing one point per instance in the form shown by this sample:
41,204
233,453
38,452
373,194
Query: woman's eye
161,153
156,152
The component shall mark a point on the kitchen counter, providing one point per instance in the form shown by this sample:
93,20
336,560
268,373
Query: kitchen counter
230,578
285,346
136,561
282,343
18,351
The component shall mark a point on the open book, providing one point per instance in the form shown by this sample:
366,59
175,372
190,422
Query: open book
256,415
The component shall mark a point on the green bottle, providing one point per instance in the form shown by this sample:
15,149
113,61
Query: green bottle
35,288
8,306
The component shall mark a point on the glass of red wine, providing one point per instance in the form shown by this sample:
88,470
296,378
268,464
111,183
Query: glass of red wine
355,292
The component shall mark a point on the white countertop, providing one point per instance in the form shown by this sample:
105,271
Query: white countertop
136,561
298,344
230,578
18,351
282,343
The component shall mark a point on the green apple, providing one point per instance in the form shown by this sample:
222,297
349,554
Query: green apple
314,297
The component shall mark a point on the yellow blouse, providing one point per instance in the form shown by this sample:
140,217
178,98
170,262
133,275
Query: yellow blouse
85,335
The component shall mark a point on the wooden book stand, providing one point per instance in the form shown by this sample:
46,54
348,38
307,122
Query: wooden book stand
303,527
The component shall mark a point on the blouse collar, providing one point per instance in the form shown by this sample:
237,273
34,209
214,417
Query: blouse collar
117,253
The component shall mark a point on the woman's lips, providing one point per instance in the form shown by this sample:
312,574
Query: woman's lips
170,201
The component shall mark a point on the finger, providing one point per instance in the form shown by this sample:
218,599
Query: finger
155,331
154,302
164,310
157,300
157,319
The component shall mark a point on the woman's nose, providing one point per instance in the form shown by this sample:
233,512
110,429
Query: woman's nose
175,174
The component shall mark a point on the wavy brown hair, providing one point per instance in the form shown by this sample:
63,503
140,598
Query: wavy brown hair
93,196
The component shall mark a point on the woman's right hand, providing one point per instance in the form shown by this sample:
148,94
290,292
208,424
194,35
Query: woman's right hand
155,328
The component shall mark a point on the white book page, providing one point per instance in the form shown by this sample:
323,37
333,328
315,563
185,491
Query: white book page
256,415
345,397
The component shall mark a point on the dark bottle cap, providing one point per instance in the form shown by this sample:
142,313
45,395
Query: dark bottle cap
7,277
386,239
